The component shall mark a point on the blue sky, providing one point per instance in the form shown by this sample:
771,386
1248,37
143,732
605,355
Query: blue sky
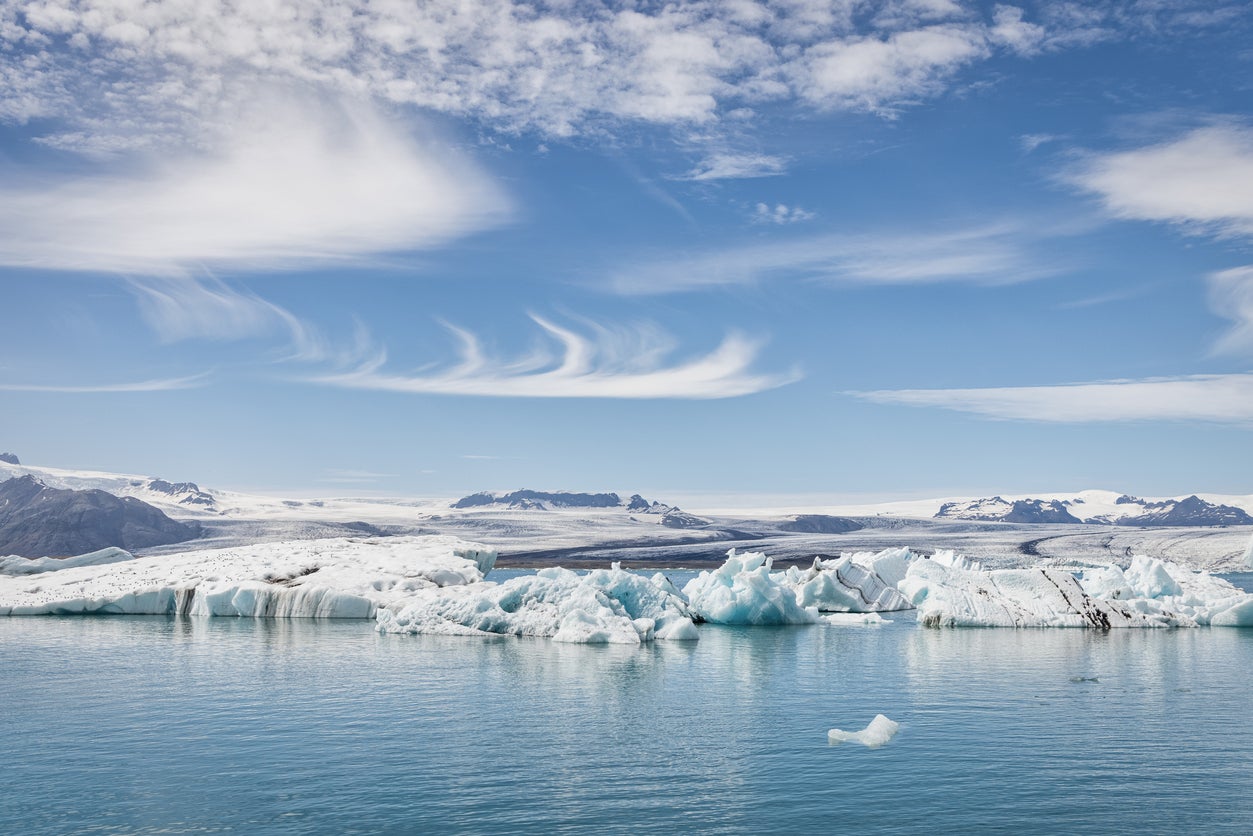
899,248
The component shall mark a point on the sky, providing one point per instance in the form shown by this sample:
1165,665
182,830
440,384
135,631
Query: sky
747,247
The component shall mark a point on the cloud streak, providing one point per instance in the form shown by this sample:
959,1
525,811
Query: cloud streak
1223,399
609,364
157,385
987,254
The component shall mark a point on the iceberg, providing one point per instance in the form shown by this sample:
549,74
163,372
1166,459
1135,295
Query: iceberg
863,582
327,578
1149,593
604,606
743,591
14,565
880,731
1165,590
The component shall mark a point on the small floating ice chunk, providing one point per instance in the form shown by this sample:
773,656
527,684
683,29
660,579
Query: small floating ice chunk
853,619
880,731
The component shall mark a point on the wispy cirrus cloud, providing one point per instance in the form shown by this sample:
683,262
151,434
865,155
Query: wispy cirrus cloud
996,254
621,363
736,167
1224,399
155,385
1231,297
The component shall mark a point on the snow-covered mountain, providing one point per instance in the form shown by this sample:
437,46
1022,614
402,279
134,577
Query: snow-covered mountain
671,516
997,509
1098,507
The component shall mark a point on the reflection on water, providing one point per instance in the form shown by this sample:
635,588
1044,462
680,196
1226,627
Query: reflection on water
205,725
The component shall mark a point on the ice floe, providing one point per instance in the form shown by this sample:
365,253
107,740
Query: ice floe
15,565
880,731
744,591
1149,593
604,606
328,578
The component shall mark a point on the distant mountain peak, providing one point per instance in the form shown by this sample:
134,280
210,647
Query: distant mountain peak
1131,511
9,458
527,499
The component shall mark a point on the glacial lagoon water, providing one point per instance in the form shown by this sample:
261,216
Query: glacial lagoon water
178,725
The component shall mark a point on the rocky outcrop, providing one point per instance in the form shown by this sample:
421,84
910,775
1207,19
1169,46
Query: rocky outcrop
188,493
820,524
9,458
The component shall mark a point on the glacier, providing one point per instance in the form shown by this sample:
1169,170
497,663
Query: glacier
327,578
603,606
878,732
1149,593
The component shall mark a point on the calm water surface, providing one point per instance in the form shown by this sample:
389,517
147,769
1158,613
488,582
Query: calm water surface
163,725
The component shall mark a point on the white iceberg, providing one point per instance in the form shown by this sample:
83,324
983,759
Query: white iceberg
743,591
1150,593
880,731
328,578
15,565
604,606
1165,590
863,582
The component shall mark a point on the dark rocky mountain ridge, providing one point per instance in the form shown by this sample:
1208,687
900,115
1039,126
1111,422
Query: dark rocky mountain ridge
38,521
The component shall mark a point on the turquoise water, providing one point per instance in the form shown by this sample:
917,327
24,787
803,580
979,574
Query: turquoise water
163,725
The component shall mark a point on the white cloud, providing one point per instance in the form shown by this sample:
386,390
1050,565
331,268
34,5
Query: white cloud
609,364
158,385
878,74
116,67
1226,399
992,255
287,184
1231,297
736,166
1202,179
1030,142
780,214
